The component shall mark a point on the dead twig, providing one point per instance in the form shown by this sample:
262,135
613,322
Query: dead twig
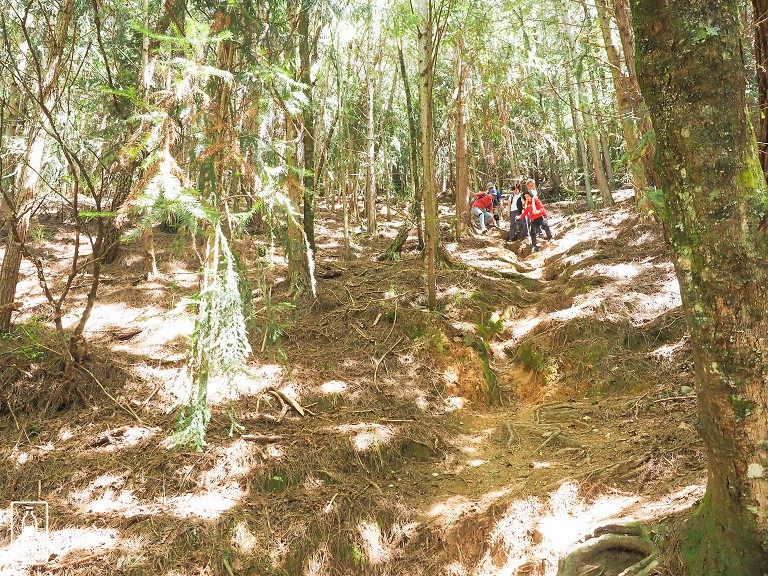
669,399
380,360
549,439
123,407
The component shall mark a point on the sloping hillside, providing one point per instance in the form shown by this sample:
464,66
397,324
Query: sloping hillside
549,394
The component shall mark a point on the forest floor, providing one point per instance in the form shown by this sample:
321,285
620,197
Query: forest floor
549,395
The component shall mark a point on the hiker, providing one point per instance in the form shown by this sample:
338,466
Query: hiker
481,209
534,210
517,228
496,202
530,185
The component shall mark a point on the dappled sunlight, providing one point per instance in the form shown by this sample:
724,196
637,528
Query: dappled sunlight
367,437
319,563
65,544
538,531
19,456
231,462
333,387
251,382
123,437
523,326
243,540
667,352
376,550
618,271
207,505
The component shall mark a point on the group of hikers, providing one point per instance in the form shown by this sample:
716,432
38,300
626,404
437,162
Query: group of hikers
527,216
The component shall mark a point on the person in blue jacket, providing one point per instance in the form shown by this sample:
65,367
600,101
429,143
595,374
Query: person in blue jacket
496,201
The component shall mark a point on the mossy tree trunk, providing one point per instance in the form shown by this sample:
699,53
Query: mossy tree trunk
691,70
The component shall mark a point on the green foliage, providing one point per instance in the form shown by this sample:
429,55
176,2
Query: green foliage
431,337
531,358
276,322
219,345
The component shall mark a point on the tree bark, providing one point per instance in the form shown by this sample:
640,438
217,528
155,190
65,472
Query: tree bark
370,156
308,119
462,166
426,84
690,67
760,9
413,149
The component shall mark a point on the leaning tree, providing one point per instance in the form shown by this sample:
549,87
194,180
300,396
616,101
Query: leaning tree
715,211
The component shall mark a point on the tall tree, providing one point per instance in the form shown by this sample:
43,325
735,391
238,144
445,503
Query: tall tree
306,45
426,19
623,91
462,166
45,66
715,213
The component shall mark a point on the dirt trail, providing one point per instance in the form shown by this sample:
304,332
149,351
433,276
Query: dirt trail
549,394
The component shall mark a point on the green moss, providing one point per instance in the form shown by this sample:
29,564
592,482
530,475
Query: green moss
742,407
531,358
716,542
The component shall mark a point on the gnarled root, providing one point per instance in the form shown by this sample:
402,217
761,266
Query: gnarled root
624,538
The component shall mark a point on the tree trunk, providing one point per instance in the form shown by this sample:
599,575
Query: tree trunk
462,166
413,149
426,83
690,67
32,163
573,98
594,150
308,118
296,249
627,112
645,136
370,157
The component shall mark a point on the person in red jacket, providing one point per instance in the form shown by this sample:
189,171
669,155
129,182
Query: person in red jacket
482,210
534,211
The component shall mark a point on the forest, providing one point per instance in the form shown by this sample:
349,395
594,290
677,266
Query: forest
252,321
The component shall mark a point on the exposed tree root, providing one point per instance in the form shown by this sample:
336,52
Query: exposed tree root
618,538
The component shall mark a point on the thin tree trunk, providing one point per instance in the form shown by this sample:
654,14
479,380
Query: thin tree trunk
605,148
413,148
573,97
31,164
715,220
462,167
624,103
426,82
308,118
370,156
645,148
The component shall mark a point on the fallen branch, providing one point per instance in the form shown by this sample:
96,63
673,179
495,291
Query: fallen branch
285,399
261,437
